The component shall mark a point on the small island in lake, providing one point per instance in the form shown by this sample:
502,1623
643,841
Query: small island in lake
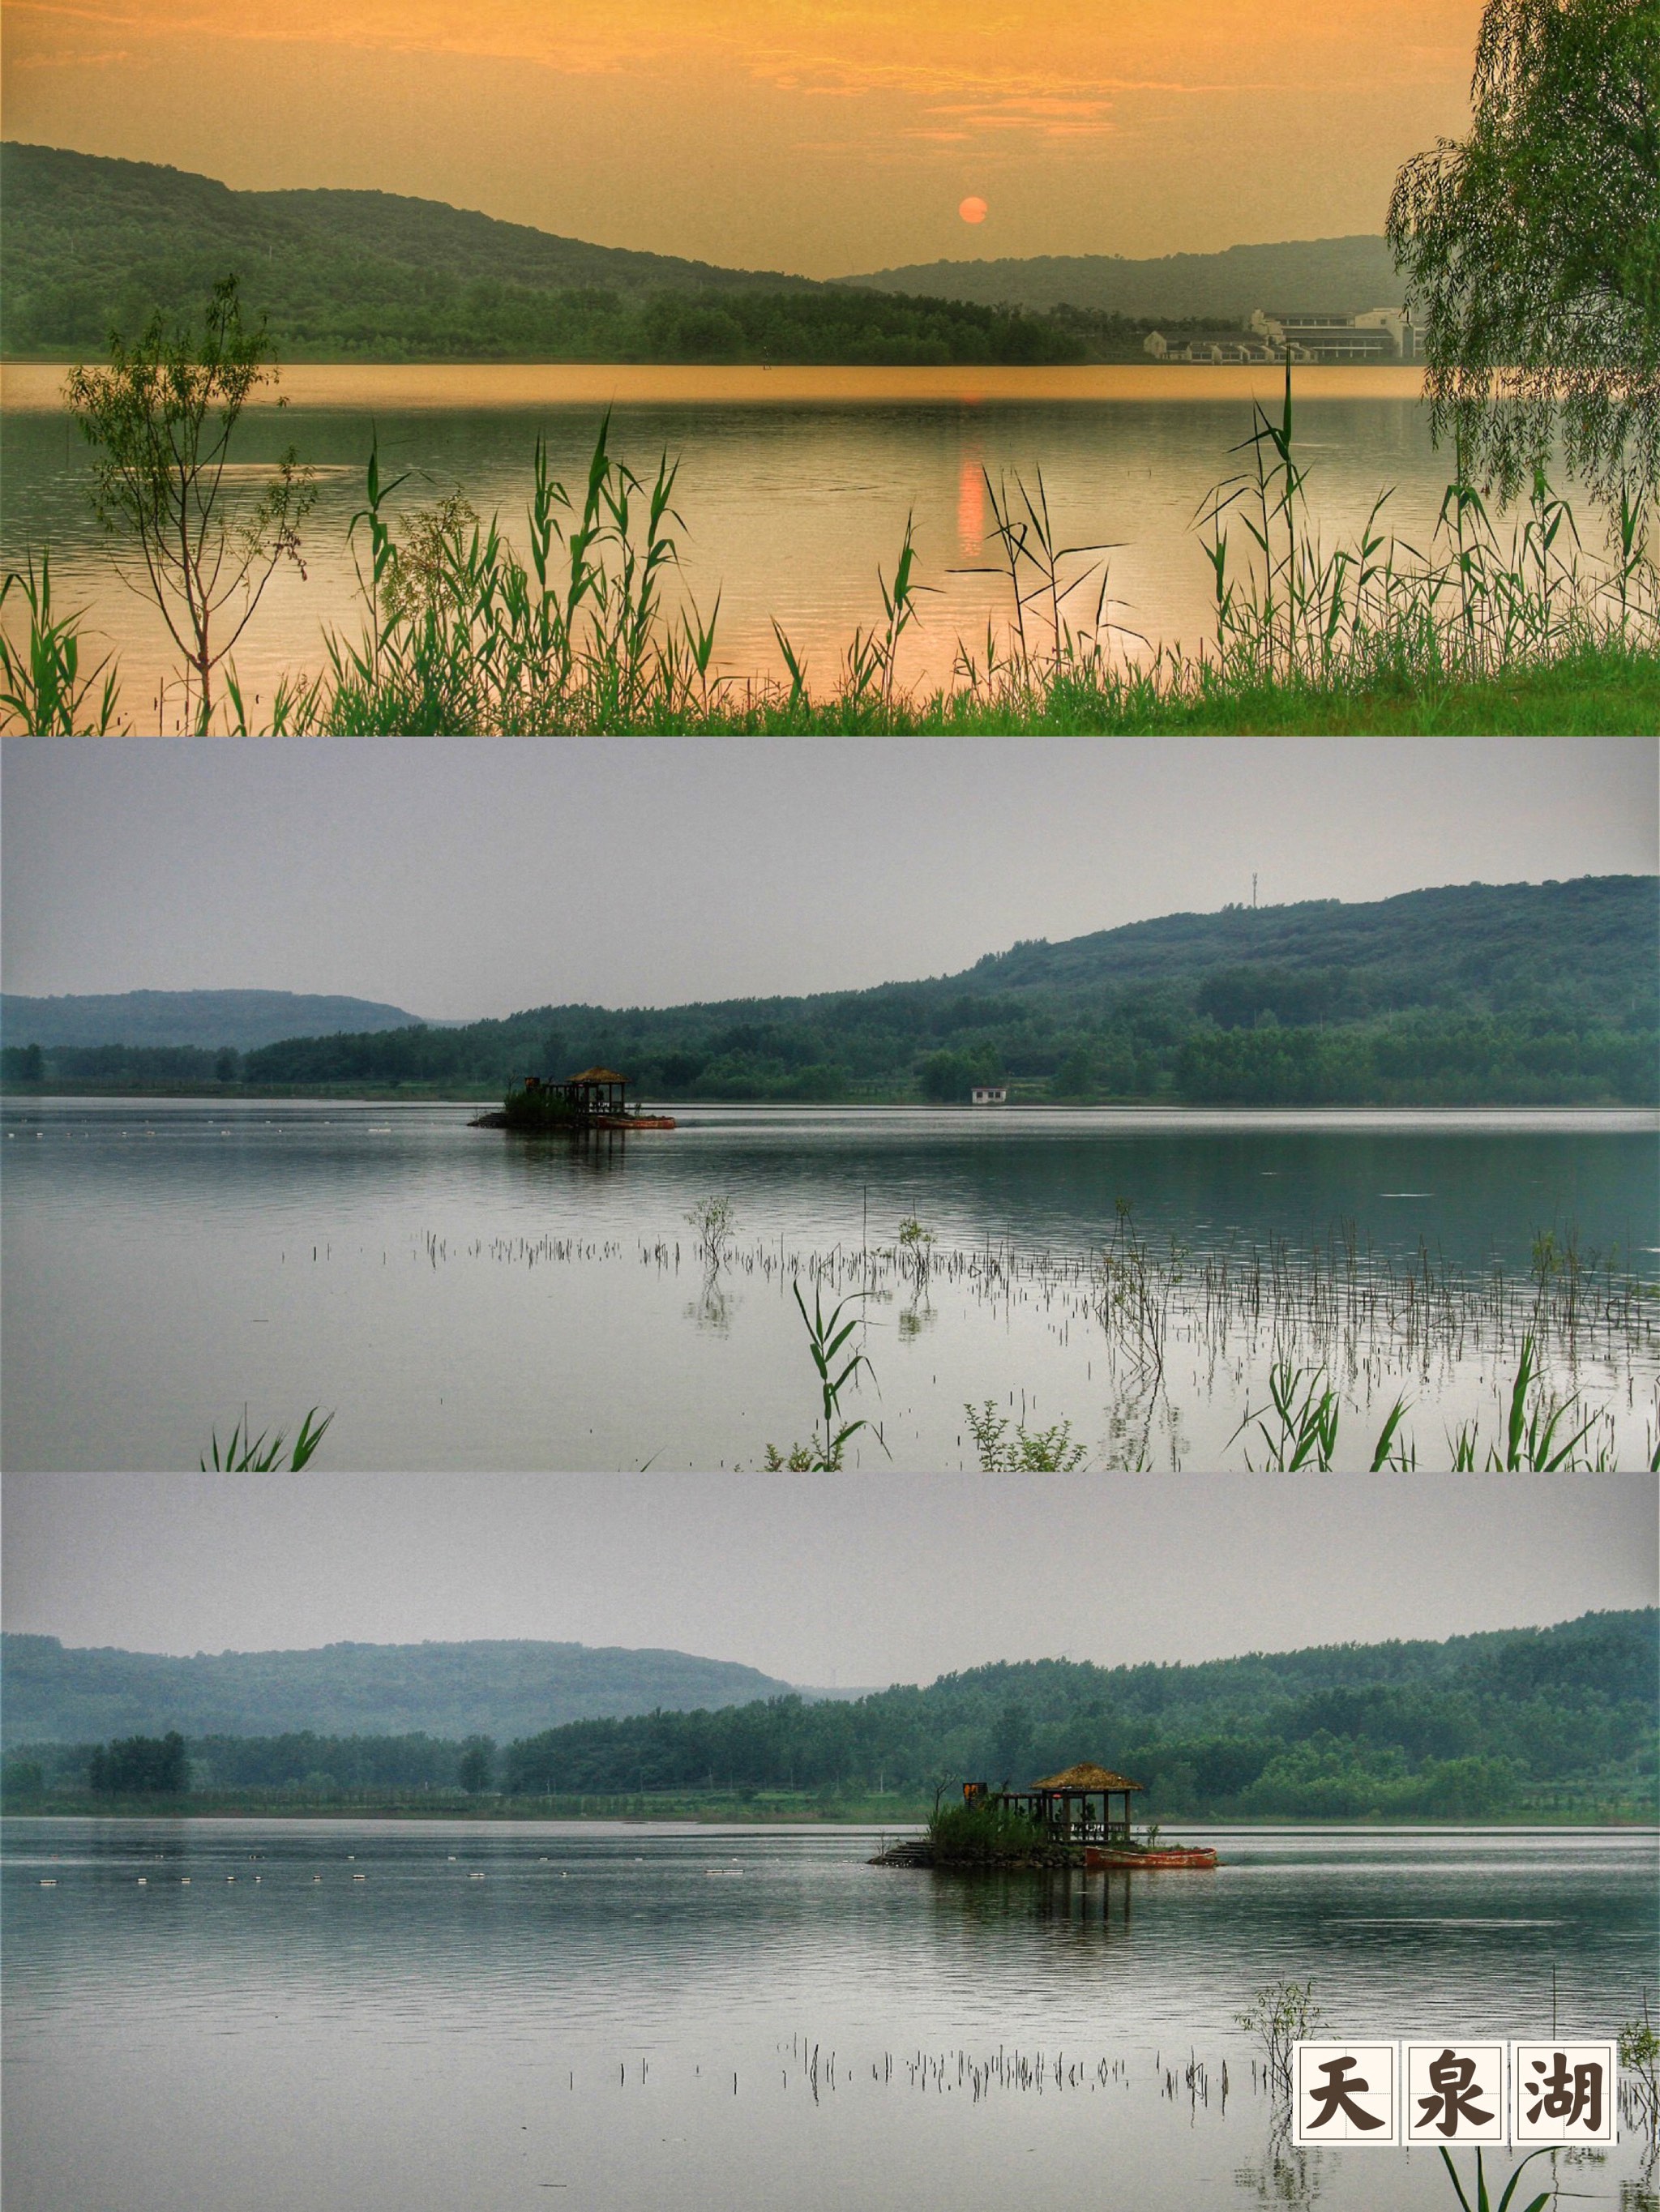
1055,1823
595,1099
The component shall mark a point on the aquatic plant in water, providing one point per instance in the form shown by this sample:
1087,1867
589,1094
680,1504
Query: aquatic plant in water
1280,2014
1030,1451
827,1339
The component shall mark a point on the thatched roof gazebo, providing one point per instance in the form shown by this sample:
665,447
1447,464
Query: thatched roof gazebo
595,1091
1065,1804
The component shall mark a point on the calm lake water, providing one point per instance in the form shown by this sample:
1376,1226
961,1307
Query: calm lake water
421,2017
794,484
469,1300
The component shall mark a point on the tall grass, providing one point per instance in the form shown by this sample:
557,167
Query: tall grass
46,691
459,635
244,1453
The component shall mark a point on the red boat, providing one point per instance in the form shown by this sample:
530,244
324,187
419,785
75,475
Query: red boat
1096,1858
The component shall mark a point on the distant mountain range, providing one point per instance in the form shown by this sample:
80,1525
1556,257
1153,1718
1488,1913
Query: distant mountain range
87,243
207,1018
1342,274
1469,994
1495,1724
60,1694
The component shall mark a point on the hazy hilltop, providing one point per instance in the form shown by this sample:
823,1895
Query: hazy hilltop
66,1695
89,219
1470,994
87,243
1342,274
206,1019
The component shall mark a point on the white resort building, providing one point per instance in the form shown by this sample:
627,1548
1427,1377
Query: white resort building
1371,335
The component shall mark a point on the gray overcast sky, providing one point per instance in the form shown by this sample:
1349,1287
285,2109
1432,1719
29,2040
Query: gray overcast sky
854,1579
461,878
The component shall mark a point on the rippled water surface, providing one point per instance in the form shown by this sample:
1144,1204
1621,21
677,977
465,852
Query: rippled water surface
284,2016
466,1299
793,486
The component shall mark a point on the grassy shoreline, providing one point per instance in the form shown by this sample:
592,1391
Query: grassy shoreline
1479,634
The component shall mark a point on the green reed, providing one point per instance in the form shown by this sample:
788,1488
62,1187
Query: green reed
1482,2202
44,690
244,1453
828,1337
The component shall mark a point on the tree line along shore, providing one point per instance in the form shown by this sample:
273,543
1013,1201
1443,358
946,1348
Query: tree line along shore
1527,1725
1469,995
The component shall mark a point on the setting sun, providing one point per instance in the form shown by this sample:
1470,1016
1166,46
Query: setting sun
972,209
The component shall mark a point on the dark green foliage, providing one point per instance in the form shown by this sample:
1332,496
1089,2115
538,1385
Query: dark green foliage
1462,1728
1470,994
476,1768
541,1112
1474,1728
857,329
55,1694
140,1765
122,1066
1534,248
983,1830
23,1063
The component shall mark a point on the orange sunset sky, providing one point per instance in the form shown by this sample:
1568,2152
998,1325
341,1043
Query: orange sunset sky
827,137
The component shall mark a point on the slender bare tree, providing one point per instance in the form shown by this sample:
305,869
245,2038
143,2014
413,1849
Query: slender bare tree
161,416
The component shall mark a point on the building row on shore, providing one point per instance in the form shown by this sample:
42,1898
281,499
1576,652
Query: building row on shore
1369,335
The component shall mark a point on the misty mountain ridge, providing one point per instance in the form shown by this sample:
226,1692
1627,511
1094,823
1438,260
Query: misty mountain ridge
55,1692
1475,993
241,1019
1496,1723
1343,275
1463,994
89,242
54,198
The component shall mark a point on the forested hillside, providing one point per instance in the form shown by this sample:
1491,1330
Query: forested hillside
87,243
1458,1727
1560,1718
69,1695
1472,994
